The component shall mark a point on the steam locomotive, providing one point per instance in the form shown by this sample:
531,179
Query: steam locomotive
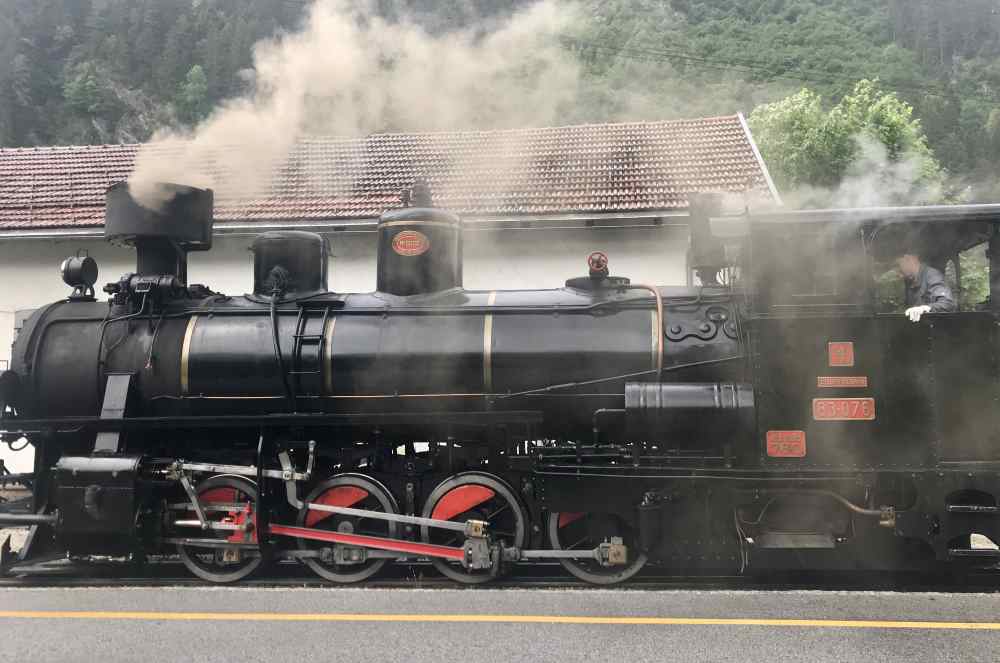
772,416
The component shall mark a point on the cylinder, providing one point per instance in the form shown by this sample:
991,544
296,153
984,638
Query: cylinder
419,251
697,410
292,262
652,396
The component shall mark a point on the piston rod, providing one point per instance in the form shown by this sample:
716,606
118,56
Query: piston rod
26,519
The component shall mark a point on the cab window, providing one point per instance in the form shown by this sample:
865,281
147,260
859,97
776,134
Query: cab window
972,278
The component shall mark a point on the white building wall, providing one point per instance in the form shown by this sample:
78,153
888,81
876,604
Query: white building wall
506,259
496,259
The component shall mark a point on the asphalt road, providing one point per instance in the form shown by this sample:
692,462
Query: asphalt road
260,624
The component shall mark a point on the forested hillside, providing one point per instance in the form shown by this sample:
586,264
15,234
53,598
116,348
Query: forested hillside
84,71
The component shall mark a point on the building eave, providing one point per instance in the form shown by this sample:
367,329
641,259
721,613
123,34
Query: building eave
574,221
760,161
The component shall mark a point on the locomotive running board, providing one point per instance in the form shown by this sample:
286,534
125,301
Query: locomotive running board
347,419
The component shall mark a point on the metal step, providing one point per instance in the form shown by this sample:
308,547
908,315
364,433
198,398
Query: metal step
789,540
58,565
974,553
974,509
20,505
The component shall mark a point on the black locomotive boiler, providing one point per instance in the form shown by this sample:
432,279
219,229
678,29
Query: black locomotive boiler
772,415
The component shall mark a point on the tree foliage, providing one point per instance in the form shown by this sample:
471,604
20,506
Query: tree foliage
870,136
87,90
192,100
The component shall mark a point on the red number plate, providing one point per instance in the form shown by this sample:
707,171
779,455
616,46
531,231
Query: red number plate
786,443
843,409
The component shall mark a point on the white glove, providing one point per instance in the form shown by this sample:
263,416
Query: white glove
914,312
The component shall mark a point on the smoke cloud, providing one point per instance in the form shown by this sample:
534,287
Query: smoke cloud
349,72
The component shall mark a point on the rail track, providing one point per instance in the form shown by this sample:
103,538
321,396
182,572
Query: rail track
171,573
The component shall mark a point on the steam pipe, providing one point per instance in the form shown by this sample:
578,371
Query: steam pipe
597,415
876,513
886,515
24,519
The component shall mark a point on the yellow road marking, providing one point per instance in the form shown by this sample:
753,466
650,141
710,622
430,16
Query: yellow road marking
492,619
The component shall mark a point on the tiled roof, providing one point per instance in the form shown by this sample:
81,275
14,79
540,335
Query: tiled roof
597,168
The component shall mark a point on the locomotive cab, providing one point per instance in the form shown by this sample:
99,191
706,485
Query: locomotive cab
845,381
840,363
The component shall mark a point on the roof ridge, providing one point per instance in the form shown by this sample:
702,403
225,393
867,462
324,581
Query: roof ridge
555,127
80,146
362,137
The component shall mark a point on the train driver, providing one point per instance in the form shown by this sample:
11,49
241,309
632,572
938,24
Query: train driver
926,290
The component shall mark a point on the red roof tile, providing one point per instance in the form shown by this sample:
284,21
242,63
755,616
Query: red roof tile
598,168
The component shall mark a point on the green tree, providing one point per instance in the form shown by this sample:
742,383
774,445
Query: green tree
192,101
176,56
86,90
870,135
801,143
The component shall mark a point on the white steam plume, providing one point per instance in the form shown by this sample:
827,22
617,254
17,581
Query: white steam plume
875,179
350,72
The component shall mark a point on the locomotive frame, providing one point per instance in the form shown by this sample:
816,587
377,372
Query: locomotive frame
772,417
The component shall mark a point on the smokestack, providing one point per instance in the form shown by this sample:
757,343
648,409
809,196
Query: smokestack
708,255
162,238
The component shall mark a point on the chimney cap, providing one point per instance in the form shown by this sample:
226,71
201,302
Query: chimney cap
185,219
418,195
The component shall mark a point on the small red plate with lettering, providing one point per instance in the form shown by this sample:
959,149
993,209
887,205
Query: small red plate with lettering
786,443
842,381
410,243
844,409
841,353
